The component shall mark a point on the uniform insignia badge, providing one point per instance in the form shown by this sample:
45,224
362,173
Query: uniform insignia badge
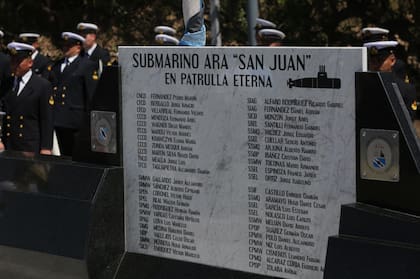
95,75
51,101
13,51
414,105
373,51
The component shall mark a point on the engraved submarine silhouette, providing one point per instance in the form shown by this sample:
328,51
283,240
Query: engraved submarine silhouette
322,81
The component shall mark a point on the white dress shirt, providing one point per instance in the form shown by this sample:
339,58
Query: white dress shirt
24,81
67,61
92,49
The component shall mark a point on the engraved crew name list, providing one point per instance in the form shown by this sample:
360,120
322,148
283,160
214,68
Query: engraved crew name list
238,157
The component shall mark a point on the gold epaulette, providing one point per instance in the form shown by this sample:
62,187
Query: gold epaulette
51,101
414,105
95,75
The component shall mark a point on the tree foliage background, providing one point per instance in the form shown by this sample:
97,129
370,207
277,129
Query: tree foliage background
305,22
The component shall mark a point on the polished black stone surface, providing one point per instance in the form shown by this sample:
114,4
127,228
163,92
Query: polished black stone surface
63,208
106,98
374,243
378,107
359,258
106,235
366,221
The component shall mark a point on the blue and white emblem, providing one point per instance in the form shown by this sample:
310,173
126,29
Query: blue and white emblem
103,131
103,134
379,162
379,155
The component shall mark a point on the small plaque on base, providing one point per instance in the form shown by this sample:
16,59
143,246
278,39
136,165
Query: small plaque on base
379,155
103,131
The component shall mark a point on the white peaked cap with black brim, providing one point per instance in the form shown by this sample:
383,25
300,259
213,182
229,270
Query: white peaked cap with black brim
72,36
20,47
29,35
29,38
166,39
20,51
87,25
374,30
263,23
374,34
381,48
165,30
271,34
381,44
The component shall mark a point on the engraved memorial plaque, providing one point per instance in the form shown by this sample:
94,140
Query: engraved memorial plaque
238,158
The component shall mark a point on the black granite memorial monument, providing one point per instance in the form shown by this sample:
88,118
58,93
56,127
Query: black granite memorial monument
59,219
379,236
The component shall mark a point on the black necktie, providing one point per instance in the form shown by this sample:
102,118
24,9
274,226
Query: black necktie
16,85
66,63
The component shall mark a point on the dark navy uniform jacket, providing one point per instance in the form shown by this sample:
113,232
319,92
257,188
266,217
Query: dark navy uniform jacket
28,124
4,73
73,90
40,66
100,54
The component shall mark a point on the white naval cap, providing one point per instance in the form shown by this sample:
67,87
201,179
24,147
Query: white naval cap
20,47
87,26
373,34
166,39
67,36
271,34
381,44
29,37
20,51
263,23
165,30
374,30
381,47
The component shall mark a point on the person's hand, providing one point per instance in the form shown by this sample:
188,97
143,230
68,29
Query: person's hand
45,152
2,148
